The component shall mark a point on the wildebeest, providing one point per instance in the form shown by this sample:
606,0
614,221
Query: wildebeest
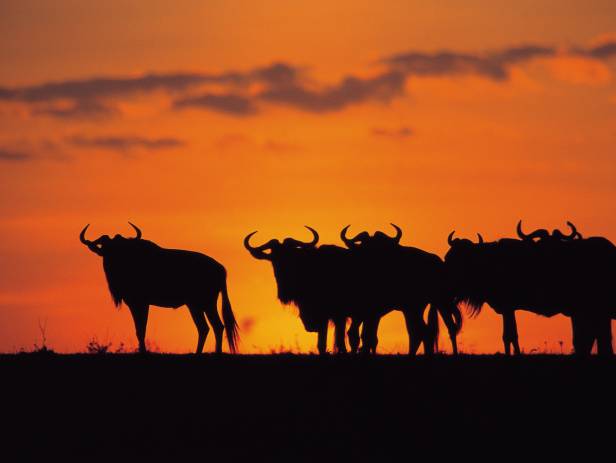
140,273
403,278
314,279
558,274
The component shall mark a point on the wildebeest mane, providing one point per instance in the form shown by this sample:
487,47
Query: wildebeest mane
473,304
129,255
114,281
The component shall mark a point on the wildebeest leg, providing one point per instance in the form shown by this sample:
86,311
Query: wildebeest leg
450,323
604,337
510,332
196,312
140,317
583,336
322,339
339,335
353,334
416,329
212,315
369,339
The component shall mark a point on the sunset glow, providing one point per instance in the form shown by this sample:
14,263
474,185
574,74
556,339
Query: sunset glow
203,121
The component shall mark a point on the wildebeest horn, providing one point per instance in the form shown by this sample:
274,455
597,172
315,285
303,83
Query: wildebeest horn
352,242
92,245
450,238
82,236
539,233
344,238
315,237
398,233
521,234
137,230
480,238
574,233
257,251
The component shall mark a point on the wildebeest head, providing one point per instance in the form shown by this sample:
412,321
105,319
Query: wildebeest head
296,268
378,240
288,259
105,246
465,264
115,252
543,234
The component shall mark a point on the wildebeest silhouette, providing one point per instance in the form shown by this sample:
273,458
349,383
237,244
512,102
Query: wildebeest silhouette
316,280
403,278
558,274
140,273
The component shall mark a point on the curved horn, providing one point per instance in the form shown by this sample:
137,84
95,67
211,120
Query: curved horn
479,238
343,237
450,238
82,236
352,242
257,251
574,232
92,245
540,233
521,234
315,237
398,233
137,230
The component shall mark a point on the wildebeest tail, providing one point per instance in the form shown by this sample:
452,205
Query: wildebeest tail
229,321
433,329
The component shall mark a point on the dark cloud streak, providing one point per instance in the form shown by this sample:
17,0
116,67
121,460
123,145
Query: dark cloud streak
235,105
351,90
241,93
493,66
8,155
125,143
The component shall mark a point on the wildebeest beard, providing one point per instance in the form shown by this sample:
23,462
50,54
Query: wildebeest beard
291,279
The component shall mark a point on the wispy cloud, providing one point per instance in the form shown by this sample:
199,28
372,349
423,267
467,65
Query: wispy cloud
245,93
9,155
493,65
402,132
236,105
349,91
125,143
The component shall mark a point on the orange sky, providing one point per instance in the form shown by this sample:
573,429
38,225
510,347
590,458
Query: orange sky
467,116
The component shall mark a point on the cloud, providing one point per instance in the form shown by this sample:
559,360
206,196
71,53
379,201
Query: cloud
603,51
92,89
402,132
350,90
80,109
125,143
236,105
447,63
279,74
8,155
241,93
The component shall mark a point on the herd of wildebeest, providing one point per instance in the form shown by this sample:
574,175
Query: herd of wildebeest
543,272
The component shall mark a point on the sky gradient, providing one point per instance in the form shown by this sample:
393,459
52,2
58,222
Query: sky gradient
203,121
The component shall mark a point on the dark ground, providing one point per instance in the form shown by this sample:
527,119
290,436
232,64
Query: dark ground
304,408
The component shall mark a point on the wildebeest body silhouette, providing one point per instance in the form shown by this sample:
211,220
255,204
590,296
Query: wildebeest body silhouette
317,280
403,278
559,274
140,273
